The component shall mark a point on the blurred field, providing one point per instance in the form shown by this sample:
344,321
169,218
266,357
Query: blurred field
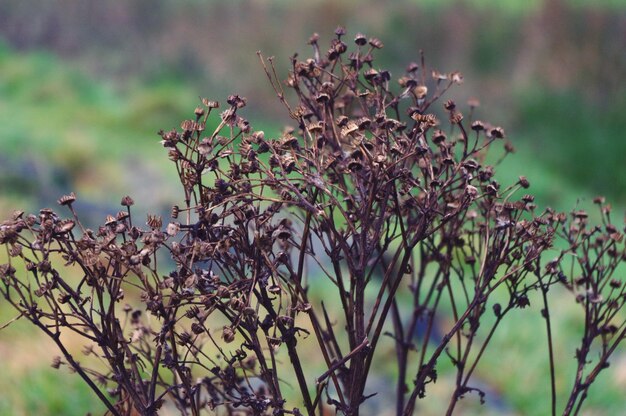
85,86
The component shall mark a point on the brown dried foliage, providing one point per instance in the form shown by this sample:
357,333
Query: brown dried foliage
377,191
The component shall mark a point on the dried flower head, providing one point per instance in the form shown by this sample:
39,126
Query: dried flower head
154,221
67,199
127,201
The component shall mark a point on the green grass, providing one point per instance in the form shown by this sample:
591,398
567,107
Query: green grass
46,392
576,142
89,133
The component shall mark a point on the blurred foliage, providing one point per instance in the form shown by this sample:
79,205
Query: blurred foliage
550,71
84,87
583,143
46,392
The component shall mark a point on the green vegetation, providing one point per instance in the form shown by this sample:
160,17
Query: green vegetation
42,390
75,131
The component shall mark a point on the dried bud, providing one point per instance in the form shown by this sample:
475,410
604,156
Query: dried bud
122,215
438,75
456,118
281,233
110,220
64,227
127,201
64,298
236,101
173,228
228,335
237,304
439,136
184,338
456,77
56,362
360,39
322,98
154,221
15,250
420,91
523,182
210,104
478,125
497,310
376,43
496,132
522,301
471,191
196,328
67,199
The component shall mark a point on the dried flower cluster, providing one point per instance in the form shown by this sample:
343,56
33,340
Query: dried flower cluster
373,192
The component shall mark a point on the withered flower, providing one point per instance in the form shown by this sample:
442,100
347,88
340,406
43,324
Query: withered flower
110,220
154,221
56,362
127,201
376,43
496,132
67,199
228,334
360,39
210,104
478,125
420,91
64,226
456,77
523,182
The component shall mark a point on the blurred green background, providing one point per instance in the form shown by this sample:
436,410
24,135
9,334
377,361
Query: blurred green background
85,86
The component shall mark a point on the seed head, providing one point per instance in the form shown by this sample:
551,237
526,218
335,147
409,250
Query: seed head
376,43
523,182
228,335
154,221
210,104
196,328
420,91
478,126
360,39
127,201
67,199
496,132
56,362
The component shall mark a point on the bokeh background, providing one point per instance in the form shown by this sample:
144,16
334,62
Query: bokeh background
85,86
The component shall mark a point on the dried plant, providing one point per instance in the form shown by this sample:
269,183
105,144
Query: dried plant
374,192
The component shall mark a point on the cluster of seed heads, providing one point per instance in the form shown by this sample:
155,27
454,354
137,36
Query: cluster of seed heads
374,189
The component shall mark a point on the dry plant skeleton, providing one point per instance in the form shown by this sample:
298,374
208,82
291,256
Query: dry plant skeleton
378,190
